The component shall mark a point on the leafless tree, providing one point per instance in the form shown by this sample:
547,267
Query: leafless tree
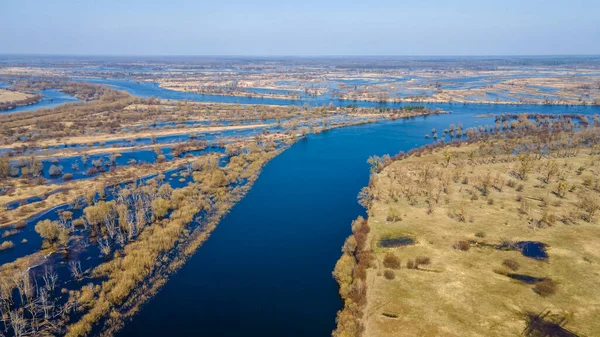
104,245
75,268
50,278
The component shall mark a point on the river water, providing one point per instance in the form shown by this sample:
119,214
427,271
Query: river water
50,99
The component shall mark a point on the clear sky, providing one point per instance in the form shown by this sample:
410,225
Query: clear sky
308,27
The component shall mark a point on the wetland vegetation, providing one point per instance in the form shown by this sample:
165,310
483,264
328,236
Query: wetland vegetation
103,199
495,235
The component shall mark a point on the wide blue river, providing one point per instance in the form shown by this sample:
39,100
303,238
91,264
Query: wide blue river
266,270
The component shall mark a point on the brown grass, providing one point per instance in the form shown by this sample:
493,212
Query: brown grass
460,294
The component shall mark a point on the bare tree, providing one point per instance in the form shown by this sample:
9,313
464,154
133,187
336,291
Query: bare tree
50,278
75,268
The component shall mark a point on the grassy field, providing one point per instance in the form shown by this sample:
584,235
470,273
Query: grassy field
470,209
12,96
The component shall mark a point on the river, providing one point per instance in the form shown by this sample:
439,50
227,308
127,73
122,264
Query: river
50,99
266,269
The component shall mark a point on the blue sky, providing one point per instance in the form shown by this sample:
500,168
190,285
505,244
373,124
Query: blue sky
277,27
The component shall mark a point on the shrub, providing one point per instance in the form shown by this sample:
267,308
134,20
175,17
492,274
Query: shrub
79,222
410,264
55,170
462,245
99,212
4,167
480,234
160,207
511,264
548,218
52,231
590,204
422,260
389,274
501,271
391,261
6,245
360,229
562,188
349,245
218,179
393,216
545,288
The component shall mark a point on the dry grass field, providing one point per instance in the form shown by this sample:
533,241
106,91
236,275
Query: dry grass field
498,238
12,96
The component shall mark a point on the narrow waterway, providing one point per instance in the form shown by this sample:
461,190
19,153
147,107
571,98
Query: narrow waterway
50,99
266,270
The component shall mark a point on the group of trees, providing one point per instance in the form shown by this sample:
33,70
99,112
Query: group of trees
350,272
27,304
162,216
53,232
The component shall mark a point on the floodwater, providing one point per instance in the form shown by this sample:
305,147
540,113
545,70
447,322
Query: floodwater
266,269
52,98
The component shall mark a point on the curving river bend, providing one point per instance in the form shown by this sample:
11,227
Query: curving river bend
266,269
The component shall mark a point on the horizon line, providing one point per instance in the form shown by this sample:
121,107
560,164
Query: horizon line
298,56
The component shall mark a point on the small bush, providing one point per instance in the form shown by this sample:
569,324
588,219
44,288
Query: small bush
490,201
392,217
389,274
79,222
462,245
480,234
511,264
6,245
501,271
520,188
391,261
55,170
545,288
422,260
410,264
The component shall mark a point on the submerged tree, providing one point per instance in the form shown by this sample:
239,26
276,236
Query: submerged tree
52,231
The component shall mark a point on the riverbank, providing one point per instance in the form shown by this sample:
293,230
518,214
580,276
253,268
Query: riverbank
10,99
473,239
184,226
445,97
